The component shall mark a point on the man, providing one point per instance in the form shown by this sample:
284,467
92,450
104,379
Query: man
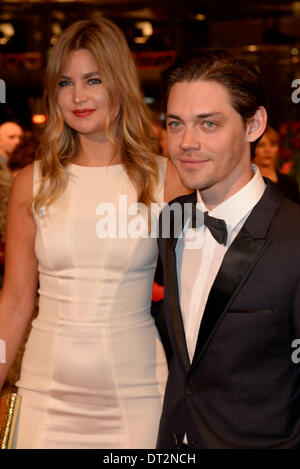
232,284
10,136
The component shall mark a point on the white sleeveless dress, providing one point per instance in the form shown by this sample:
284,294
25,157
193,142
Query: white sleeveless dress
94,370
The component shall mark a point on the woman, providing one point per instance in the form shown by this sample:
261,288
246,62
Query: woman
94,370
266,154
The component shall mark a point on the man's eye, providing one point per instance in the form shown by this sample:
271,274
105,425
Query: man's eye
174,124
64,83
94,81
210,125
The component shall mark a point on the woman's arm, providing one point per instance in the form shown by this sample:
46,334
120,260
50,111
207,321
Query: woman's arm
17,298
173,185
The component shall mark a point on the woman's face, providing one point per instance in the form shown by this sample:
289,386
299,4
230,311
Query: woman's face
82,98
266,151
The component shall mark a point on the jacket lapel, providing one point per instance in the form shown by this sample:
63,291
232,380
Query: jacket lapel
176,224
238,262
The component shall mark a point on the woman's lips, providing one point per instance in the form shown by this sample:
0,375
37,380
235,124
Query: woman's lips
82,112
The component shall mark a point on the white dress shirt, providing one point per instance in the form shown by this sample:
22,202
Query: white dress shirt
199,256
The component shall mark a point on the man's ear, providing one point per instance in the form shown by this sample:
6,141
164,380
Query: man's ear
256,124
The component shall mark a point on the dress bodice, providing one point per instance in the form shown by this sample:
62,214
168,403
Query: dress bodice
92,236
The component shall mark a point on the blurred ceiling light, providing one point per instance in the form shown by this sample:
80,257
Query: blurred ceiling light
146,28
56,31
97,14
294,51
296,8
140,13
7,31
58,15
252,48
295,60
200,17
140,40
39,119
56,28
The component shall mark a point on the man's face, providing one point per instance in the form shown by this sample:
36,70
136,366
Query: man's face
207,138
10,136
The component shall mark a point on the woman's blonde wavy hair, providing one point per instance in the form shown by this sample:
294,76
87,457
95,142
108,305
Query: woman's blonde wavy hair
134,138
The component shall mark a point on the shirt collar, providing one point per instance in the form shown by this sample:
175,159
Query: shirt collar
234,209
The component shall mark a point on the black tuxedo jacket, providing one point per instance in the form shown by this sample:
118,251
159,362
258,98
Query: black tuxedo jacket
242,389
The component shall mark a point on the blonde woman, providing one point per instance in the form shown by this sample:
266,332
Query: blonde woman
94,370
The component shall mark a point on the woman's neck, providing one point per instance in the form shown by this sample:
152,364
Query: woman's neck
94,152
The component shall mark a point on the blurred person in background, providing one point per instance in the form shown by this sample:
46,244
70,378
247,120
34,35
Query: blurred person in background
10,136
266,156
23,154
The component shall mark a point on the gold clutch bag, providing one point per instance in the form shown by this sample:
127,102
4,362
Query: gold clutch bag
9,409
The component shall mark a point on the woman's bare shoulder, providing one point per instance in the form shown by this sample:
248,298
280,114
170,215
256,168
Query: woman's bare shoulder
23,182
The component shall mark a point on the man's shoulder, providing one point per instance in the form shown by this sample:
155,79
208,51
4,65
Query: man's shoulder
290,210
182,199
287,219
274,215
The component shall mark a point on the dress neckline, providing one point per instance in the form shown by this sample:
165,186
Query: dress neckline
118,165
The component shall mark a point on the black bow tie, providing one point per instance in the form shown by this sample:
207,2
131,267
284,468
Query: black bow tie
216,226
